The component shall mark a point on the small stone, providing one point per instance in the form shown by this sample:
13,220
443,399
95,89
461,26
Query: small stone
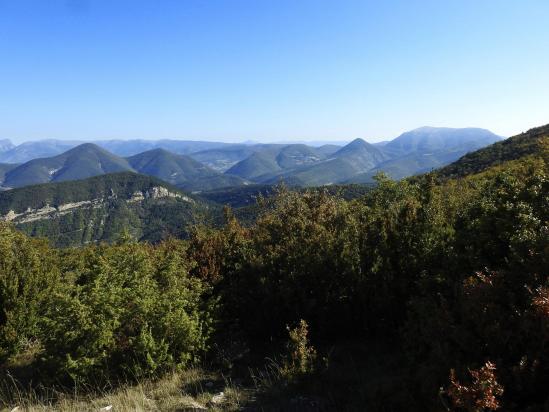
217,399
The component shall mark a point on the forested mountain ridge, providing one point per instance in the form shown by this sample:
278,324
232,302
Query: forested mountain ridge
83,161
103,208
533,142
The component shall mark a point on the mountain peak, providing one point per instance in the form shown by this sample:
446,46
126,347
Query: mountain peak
86,148
358,142
357,145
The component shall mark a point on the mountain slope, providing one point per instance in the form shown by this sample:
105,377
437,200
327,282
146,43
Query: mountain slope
170,167
5,168
350,160
180,170
438,139
424,149
102,208
222,159
534,142
83,161
273,161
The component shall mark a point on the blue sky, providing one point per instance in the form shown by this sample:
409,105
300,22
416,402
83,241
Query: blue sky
270,70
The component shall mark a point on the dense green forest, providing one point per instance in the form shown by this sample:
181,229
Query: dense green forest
102,208
442,281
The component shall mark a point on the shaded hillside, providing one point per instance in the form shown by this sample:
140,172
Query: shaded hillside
237,197
102,208
5,168
533,142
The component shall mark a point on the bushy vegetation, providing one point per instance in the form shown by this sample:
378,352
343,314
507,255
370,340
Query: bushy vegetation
89,315
450,279
111,214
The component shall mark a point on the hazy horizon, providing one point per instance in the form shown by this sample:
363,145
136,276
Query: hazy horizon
313,142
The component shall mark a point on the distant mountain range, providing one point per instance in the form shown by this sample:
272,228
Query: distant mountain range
101,208
411,153
88,160
199,166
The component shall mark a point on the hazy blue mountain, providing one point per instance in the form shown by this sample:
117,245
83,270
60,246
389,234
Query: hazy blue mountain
437,139
132,147
83,161
353,158
425,149
180,170
34,150
52,147
223,158
327,149
5,145
409,165
267,164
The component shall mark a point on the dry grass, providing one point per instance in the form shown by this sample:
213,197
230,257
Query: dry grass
180,391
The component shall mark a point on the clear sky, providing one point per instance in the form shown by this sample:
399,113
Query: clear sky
270,70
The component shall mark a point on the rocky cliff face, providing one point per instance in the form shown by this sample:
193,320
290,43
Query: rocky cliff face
52,212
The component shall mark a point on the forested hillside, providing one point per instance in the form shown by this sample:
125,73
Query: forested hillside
103,208
534,142
426,294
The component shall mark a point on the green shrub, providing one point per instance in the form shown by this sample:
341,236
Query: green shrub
28,276
129,310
